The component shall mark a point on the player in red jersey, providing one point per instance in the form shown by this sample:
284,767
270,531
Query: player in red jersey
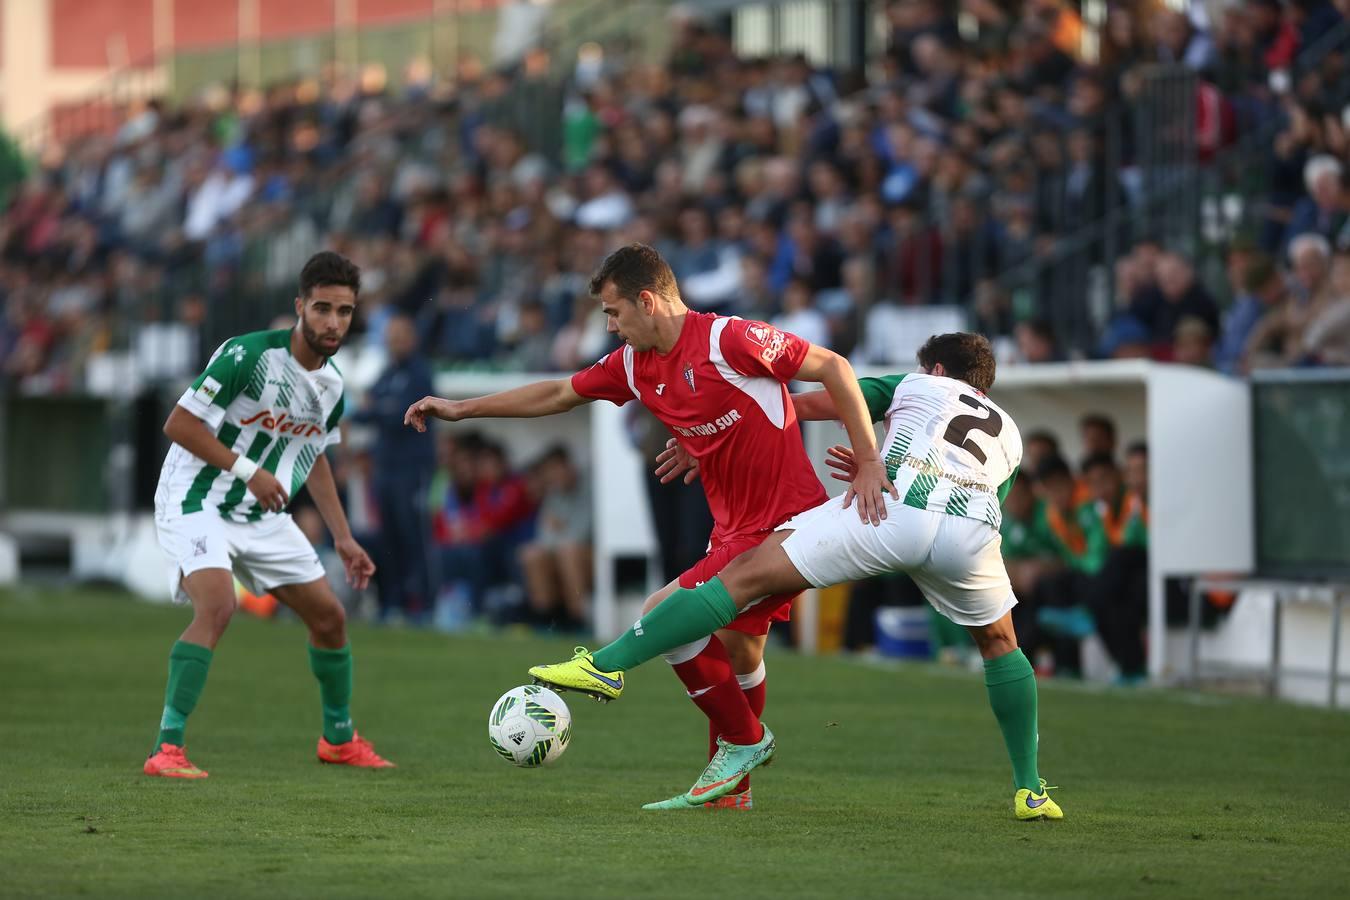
718,383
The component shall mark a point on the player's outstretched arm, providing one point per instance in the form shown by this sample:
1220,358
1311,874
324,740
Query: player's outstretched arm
543,398
814,406
323,489
835,373
191,433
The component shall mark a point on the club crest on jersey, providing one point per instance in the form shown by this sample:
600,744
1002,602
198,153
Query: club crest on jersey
689,377
236,353
208,390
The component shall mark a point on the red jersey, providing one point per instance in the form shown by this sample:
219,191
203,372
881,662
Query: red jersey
721,391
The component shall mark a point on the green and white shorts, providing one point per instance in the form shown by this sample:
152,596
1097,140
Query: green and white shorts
263,555
956,562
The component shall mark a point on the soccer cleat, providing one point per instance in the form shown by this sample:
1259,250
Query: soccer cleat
743,800
356,752
1029,805
171,762
679,802
580,674
729,765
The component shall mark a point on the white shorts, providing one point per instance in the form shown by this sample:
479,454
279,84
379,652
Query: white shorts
263,555
956,562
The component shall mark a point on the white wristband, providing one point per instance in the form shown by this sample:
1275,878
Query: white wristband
244,469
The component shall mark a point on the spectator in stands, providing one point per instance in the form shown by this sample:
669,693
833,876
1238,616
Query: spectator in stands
557,562
1136,475
1027,548
1104,546
1193,343
1038,446
1323,210
1057,589
799,316
1178,295
1097,433
1326,338
1277,340
1261,290
458,541
403,462
1036,342
502,520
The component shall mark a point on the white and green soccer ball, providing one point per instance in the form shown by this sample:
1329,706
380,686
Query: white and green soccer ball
530,726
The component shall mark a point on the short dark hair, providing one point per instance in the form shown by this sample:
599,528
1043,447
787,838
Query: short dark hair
965,355
329,269
1040,327
1097,420
1053,466
555,453
633,269
1041,434
1137,447
1098,461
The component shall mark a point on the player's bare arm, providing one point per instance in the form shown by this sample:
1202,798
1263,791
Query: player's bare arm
841,385
543,398
323,489
191,433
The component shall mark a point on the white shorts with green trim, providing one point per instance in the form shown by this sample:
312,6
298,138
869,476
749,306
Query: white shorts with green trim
956,562
263,555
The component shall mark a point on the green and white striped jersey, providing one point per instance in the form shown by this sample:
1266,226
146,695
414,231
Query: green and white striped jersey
948,447
260,403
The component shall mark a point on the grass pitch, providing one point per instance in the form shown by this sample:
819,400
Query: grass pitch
889,781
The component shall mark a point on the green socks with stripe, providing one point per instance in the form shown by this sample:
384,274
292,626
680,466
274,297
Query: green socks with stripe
1011,683
188,665
684,616
333,669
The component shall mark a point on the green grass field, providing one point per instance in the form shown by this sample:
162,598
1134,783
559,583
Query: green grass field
889,781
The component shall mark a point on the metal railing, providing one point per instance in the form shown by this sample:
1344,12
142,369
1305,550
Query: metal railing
1197,208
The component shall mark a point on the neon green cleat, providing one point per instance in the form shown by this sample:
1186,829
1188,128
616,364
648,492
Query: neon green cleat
729,765
1029,805
580,674
678,802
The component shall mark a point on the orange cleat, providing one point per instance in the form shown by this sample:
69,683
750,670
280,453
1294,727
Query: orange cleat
356,752
742,800
171,762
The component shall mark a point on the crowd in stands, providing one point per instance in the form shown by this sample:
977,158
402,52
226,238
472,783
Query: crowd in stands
821,200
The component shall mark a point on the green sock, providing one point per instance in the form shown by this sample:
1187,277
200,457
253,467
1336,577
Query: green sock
684,616
333,668
1012,694
188,665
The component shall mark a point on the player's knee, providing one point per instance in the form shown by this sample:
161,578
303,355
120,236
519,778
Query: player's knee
744,583
216,616
994,642
330,626
745,656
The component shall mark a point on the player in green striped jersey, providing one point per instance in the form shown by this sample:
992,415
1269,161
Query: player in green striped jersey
248,433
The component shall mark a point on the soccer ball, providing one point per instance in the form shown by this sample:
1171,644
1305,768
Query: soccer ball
530,726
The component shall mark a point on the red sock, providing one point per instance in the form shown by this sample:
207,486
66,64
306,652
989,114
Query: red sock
755,696
713,687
